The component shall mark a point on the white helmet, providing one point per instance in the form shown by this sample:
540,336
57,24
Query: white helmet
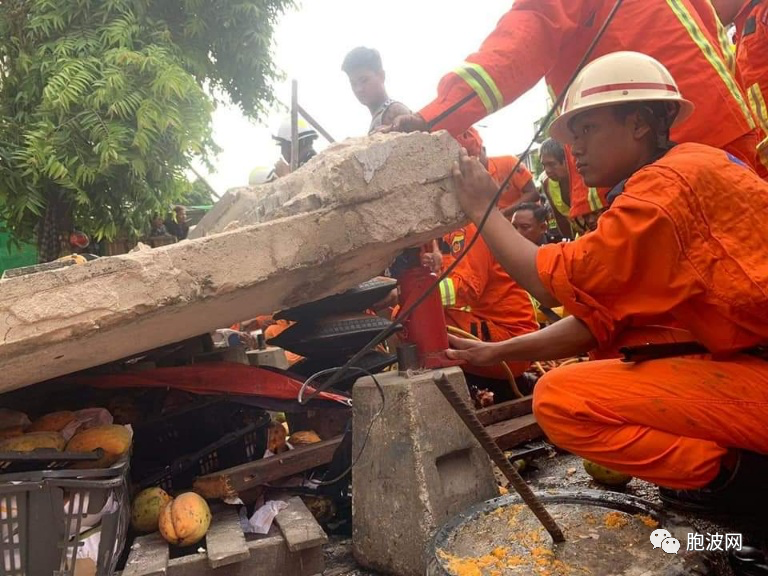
304,130
261,175
618,78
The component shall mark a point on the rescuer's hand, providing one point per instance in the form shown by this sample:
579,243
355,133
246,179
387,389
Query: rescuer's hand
475,189
433,261
406,123
474,352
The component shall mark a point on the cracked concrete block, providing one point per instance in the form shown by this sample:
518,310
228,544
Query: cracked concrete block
420,467
341,230
353,171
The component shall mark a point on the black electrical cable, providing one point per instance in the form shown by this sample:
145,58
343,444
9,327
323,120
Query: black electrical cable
376,416
390,330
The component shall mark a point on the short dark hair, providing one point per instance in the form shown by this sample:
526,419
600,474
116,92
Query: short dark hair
658,114
540,213
553,148
362,58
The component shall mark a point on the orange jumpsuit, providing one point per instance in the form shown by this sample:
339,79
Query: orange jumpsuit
549,38
669,250
480,298
499,167
752,69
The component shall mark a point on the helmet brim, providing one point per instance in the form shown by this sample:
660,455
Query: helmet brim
560,129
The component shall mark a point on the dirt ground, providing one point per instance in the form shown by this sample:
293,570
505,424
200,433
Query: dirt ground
553,471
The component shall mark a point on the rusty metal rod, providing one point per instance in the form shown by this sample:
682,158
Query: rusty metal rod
468,416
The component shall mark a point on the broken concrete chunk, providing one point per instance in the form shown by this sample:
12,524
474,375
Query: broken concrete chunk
356,170
58,322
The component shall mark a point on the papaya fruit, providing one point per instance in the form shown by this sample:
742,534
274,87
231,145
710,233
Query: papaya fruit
185,519
113,439
145,511
33,441
11,432
53,422
304,437
603,475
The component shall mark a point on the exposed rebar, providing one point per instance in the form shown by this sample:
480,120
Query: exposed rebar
468,416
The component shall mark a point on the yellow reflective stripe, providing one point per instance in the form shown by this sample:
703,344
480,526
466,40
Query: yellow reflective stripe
483,85
448,292
594,200
711,55
757,102
556,196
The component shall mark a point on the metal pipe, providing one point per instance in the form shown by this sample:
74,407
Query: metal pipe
294,125
468,416
315,124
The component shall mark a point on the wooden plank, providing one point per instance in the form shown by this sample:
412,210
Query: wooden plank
269,556
225,541
514,432
148,557
299,527
229,482
505,410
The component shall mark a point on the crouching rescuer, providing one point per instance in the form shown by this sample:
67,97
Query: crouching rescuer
667,272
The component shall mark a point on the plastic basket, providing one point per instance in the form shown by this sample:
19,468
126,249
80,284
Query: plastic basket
173,450
47,516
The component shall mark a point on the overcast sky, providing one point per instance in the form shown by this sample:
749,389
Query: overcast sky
419,40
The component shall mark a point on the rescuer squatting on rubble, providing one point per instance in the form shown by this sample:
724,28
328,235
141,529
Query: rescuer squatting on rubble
665,252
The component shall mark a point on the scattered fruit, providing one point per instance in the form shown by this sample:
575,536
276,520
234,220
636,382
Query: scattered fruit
604,475
277,436
185,519
304,437
53,422
113,439
146,508
33,441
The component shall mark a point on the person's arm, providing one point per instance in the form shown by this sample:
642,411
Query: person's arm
517,255
522,48
393,111
563,339
468,280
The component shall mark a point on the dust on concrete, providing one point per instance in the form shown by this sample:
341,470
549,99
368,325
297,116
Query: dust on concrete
555,471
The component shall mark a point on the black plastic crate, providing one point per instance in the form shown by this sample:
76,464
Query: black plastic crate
172,450
44,518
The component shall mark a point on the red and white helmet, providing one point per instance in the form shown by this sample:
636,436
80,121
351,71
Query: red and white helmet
618,78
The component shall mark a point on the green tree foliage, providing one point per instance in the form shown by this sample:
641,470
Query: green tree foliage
103,104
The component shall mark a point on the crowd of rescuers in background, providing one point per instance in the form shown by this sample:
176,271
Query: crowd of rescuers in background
175,224
479,297
659,268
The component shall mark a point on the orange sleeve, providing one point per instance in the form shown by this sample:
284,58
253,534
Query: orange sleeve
517,54
471,275
630,266
522,175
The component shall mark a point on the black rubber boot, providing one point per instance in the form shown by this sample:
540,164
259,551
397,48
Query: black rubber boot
749,561
739,492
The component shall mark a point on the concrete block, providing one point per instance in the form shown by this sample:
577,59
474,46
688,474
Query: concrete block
348,172
270,356
59,322
420,467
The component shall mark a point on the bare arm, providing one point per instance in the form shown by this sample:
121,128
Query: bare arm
563,339
475,190
394,110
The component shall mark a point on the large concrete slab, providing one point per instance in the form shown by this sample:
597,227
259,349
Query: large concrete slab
346,173
373,199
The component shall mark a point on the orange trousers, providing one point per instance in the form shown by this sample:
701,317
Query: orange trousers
667,421
470,323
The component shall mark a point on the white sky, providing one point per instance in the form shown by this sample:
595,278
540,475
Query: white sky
419,40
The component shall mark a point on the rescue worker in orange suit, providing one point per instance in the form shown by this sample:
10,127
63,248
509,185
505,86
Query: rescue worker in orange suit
750,19
548,38
481,299
666,252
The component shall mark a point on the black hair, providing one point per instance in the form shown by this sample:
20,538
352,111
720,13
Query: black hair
553,148
362,58
659,115
540,213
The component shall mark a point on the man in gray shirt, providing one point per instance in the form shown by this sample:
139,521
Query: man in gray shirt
366,77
